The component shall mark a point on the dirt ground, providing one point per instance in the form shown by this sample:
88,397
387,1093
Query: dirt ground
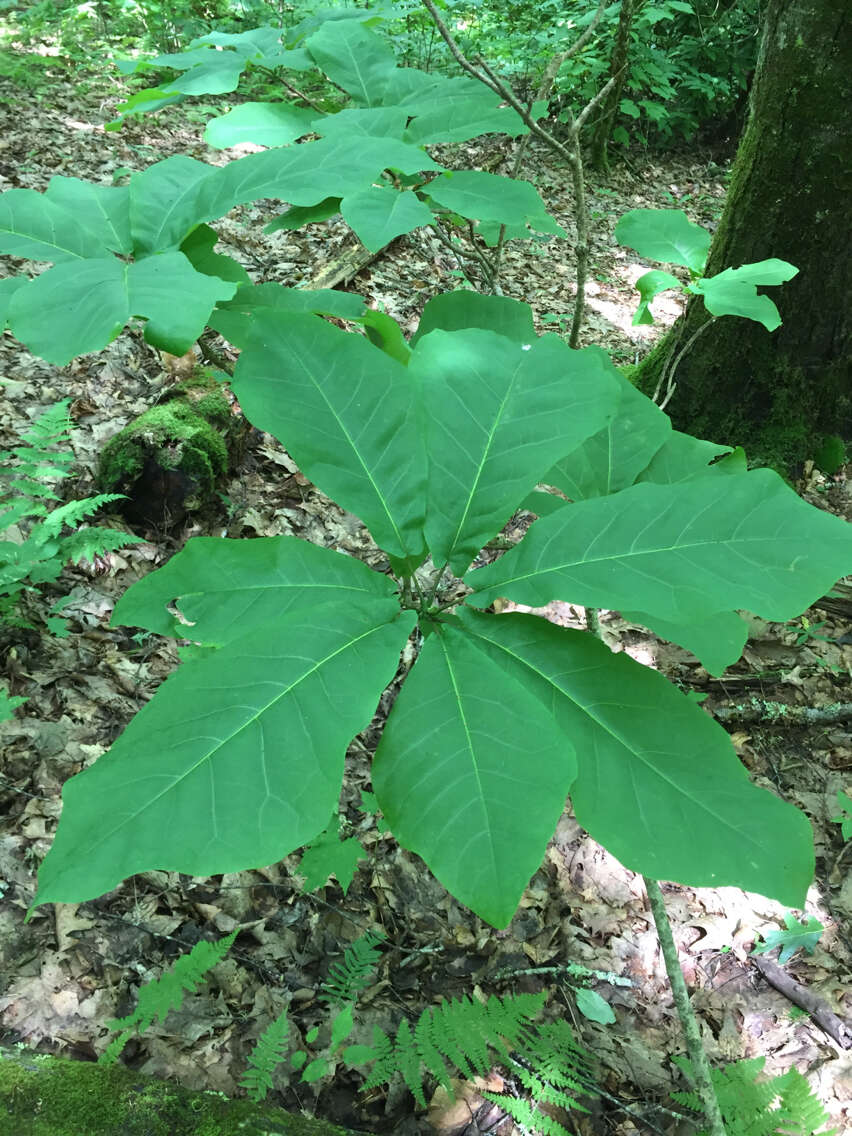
72,967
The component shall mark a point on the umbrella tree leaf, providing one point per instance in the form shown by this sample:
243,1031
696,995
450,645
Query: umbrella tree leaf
679,551
354,58
499,412
472,774
264,124
234,318
348,414
611,459
377,215
667,235
78,307
658,782
223,588
239,759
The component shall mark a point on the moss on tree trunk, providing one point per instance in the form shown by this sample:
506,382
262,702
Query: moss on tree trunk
780,394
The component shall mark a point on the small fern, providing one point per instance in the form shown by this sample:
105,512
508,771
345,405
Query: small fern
166,993
348,978
37,549
554,1070
766,1107
268,1052
460,1031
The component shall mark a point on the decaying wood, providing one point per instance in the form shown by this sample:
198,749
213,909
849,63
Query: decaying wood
42,1094
806,1000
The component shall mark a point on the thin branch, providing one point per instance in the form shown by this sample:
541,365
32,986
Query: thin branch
672,363
689,1023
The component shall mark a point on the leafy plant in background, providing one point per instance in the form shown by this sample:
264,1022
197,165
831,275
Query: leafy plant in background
145,249
668,235
844,817
38,543
798,935
164,994
752,1105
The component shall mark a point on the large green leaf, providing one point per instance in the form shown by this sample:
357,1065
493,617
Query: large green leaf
458,311
102,209
234,318
225,588
9,285
733,292
78,307
463,119
665,234
378,215
354,58
347,412
237,761
32,225
499,412
299,215
164,203
717,640
658,783
489,197
374,122
683,457
198,250
610,460
471,774
264,124
679,551
170,198
649,286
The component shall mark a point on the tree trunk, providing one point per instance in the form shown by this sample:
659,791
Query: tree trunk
780,394
617,71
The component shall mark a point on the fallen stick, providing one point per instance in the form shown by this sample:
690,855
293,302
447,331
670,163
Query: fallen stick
811,1003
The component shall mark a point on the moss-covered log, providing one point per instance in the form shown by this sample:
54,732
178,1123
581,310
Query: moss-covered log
780,394
42,1095
170,460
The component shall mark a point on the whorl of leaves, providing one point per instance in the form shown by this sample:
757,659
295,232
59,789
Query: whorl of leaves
166,993
765,1107
462,1032
348,978
267,1053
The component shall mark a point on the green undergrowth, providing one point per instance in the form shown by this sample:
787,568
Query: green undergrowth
42,1095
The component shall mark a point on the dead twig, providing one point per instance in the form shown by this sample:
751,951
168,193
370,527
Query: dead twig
806,1000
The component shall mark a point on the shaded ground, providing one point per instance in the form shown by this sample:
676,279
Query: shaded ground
74,966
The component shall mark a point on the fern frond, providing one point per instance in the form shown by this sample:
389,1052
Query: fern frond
553,1069
528,1116
37,463
166,993
268,1052
461,1031
800,1113
348,978
87,543
73,512
759,1107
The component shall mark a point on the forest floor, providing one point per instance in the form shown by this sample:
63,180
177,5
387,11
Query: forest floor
72,967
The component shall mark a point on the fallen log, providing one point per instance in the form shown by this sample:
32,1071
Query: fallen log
42,1095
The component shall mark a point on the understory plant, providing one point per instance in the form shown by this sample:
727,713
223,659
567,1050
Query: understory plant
435,443
41,534
238,758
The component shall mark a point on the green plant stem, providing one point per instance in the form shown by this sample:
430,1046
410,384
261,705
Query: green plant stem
688,1020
